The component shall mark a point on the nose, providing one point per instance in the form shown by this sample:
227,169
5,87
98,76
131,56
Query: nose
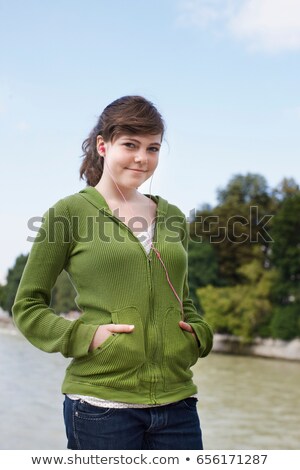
141,156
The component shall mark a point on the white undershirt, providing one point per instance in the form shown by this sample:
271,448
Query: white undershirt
146,237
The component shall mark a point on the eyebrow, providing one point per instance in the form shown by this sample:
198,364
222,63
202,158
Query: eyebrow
139,142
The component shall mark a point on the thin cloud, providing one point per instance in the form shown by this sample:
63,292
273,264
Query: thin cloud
272,25
268,25
205,13
23,126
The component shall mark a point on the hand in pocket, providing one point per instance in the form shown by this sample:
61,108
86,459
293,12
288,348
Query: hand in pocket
187,327
104,331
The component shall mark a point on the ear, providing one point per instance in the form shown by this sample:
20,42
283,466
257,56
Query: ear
100,146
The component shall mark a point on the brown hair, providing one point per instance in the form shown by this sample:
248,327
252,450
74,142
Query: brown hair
126,115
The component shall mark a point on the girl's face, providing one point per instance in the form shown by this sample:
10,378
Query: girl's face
131,159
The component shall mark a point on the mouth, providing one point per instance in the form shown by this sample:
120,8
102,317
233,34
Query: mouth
136,170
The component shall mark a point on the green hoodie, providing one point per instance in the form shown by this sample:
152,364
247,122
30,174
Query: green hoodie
116,282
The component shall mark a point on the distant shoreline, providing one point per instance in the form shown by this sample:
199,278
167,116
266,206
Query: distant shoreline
6,322
225,344
259,347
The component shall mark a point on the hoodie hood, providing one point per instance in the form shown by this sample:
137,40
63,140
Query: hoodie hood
92,195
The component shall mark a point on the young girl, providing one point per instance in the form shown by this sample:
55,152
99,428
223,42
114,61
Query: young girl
129,384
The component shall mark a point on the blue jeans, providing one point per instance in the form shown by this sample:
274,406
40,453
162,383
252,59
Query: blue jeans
174,426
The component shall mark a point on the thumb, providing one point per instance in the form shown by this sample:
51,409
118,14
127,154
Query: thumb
185,326
120,328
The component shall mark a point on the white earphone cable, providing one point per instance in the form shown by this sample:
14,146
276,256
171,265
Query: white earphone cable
158,255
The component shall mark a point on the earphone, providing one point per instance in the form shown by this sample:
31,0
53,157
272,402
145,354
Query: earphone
157,253
102,149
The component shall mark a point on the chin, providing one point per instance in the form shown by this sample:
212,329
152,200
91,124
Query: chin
130,185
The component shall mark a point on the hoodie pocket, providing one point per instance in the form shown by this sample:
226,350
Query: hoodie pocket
180,351
117,361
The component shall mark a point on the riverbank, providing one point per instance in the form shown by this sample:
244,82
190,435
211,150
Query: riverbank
6,322
226,344
261,347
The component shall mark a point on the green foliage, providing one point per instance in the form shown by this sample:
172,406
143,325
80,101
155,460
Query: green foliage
203,267
248,189
242,219
285,322
242,310
63,294
8,291
287,187
2,296
286,250
255,234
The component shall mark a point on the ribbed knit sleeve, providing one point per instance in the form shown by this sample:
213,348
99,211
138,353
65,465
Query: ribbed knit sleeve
202,329
31,312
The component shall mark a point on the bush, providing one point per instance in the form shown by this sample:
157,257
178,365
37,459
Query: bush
285,323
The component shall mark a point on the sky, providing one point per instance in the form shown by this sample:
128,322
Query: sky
224,74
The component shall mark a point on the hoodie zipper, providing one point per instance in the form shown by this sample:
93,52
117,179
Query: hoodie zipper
153,346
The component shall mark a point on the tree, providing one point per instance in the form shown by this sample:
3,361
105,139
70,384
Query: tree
286,250
63,294
241,220
8,291
248,189
286,188
242,310
2,296
203,267
285,322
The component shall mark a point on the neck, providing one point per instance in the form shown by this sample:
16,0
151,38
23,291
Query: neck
109,190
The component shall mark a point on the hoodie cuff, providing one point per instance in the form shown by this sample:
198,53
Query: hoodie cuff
204,336
80,339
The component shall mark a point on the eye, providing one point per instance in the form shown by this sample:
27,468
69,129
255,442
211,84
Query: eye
154,149
129,145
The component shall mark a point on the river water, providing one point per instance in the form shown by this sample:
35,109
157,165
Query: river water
244,402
